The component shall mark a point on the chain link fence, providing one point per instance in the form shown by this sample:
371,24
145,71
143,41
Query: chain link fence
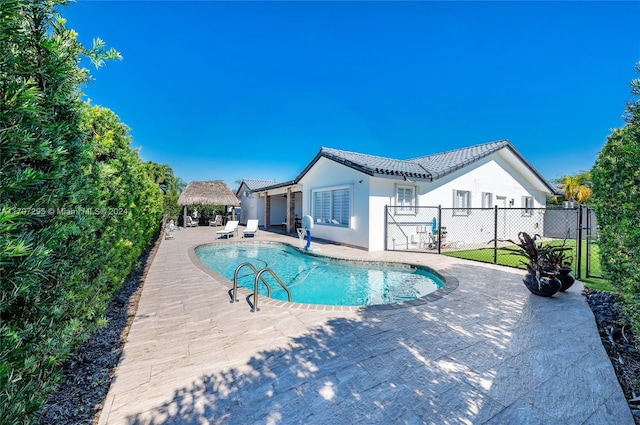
479,233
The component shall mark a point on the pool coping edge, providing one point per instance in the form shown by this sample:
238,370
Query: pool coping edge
450,283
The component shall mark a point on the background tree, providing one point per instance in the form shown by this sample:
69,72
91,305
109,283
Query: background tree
170,185
162,175
576,188
616,198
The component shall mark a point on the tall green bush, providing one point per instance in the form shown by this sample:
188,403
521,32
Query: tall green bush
76,207
170,185
616,198
128,208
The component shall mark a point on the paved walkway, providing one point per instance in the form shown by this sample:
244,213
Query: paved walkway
487,352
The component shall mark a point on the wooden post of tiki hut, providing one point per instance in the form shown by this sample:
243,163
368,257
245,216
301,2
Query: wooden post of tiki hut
209,192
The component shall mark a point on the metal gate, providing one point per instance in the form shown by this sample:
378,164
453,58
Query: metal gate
479,233
412,229
588,256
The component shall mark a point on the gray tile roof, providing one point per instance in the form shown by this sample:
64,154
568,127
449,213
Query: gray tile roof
255,184
430,167
376,165
441,164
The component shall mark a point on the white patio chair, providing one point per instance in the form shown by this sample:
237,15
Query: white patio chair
252,228
216,221
232,226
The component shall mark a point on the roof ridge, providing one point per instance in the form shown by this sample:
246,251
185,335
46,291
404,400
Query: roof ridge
325,149
374,164
260,180
502,142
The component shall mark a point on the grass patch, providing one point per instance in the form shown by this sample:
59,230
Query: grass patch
598,284
486,255
504,258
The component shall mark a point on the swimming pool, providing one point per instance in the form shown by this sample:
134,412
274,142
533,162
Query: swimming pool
319,280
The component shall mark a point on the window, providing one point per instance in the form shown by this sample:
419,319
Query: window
332,206
527,204
487,200
405,200
461,202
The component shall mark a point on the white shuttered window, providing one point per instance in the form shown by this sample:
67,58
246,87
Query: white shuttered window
332,206
487,200
461,202
405,202
527,203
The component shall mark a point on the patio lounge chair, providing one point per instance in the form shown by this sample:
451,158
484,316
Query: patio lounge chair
216,221
191,222
232,226
252,228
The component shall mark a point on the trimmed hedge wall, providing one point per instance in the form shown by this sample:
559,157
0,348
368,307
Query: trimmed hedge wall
77,208
616,198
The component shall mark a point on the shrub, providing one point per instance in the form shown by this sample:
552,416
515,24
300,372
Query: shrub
616,198
77,207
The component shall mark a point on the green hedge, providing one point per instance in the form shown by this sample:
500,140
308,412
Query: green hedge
616,198
77,208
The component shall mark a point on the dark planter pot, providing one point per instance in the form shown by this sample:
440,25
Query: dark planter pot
545,288
565,278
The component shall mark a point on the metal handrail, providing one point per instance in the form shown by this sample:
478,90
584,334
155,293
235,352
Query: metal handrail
255,287
233,293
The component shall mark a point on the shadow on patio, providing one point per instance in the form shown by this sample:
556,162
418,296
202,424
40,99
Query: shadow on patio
505,359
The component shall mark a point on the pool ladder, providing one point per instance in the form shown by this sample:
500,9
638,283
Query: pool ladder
233,293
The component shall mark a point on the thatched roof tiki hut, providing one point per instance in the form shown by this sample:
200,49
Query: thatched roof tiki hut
211,192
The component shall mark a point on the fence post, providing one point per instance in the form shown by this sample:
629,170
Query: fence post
439,227
495,234
587,259
386,228
579,243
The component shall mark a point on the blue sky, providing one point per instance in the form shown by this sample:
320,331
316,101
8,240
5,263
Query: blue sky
233,90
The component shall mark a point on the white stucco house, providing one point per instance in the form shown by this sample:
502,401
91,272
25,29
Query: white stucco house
354,197
252,207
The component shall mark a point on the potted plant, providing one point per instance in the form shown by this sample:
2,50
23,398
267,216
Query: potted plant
555,258
540,279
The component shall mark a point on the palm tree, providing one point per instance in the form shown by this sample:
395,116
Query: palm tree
576,188
173,185
162,176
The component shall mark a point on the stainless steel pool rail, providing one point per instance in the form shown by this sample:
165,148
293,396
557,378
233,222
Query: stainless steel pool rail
233,293
255,287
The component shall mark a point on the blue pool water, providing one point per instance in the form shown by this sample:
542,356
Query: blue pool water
318,280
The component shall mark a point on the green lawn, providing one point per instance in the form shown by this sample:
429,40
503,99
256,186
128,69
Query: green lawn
505,258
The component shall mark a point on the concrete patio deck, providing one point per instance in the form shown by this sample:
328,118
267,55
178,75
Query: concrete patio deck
487,352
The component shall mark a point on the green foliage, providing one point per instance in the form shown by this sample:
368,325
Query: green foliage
162,176
616,199
77,208
598,284
540,257
171,208
576,187
506,257
209,210
171,186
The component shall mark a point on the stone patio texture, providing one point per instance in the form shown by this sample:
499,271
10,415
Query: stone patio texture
481,351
